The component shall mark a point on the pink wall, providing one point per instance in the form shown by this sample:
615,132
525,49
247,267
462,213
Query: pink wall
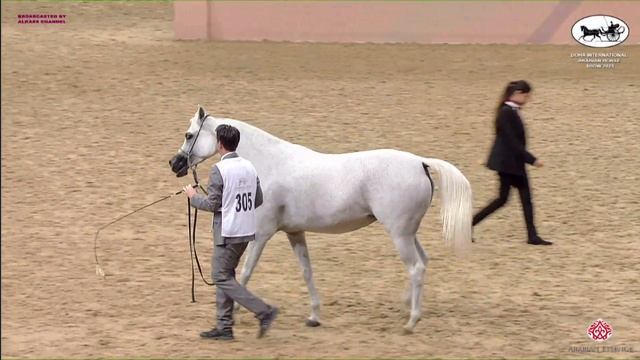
191,19
536,22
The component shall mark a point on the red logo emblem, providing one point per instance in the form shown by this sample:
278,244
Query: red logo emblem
599,330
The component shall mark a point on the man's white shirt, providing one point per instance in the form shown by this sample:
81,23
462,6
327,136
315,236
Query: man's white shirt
238,196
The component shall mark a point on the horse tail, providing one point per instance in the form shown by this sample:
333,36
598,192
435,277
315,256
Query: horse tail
456,204
622,30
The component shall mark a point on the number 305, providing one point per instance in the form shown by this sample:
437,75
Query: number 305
243,202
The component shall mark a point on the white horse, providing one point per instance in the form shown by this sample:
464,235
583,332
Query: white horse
305,190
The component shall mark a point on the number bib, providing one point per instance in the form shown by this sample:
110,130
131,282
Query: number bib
239,179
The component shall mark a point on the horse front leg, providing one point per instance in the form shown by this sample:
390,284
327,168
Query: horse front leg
265,229
299,245
254,251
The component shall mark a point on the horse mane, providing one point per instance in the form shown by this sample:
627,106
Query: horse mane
251,130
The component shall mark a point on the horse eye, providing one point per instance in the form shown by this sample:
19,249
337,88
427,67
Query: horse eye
188,136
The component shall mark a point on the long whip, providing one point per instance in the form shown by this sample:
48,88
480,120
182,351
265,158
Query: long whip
99,270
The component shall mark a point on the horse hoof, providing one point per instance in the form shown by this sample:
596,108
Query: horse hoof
407,330
312,323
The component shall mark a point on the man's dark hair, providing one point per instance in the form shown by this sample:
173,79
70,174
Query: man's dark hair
228,136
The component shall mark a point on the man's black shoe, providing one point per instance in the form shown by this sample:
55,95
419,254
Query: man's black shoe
216,334
539,241
266,321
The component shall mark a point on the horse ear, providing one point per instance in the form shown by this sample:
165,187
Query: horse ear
200,112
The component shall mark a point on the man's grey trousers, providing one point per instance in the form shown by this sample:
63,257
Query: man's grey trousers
225,259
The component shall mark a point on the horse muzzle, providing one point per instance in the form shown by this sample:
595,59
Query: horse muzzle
179,165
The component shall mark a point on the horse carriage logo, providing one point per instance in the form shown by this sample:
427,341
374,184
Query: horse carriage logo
599,330
600,31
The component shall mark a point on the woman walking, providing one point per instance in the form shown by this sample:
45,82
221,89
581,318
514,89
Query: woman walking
509,155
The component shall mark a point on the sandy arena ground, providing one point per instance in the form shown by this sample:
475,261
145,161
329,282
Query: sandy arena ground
92,111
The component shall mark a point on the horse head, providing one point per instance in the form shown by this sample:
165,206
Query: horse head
199,144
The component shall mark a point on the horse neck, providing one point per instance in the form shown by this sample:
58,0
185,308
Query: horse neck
257,145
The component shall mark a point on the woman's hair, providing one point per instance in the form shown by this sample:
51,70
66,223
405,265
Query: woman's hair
512,87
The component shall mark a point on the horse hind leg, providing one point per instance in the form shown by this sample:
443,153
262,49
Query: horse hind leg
425,259
412,259
299,245
406,298
422,253
401,219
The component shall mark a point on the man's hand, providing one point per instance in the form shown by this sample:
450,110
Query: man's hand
538,163
189,191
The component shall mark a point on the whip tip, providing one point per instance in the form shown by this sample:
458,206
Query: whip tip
99,271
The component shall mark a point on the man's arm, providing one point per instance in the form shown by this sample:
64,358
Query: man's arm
258,194
213,202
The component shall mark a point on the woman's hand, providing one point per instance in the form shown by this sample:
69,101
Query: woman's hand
538,163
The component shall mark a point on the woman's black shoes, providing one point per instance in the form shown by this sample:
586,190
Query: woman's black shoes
539,241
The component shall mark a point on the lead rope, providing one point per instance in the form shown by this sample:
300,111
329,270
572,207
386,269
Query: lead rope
193,273
192,241
192,235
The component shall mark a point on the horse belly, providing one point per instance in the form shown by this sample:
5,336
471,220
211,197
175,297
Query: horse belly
344,226
329,222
